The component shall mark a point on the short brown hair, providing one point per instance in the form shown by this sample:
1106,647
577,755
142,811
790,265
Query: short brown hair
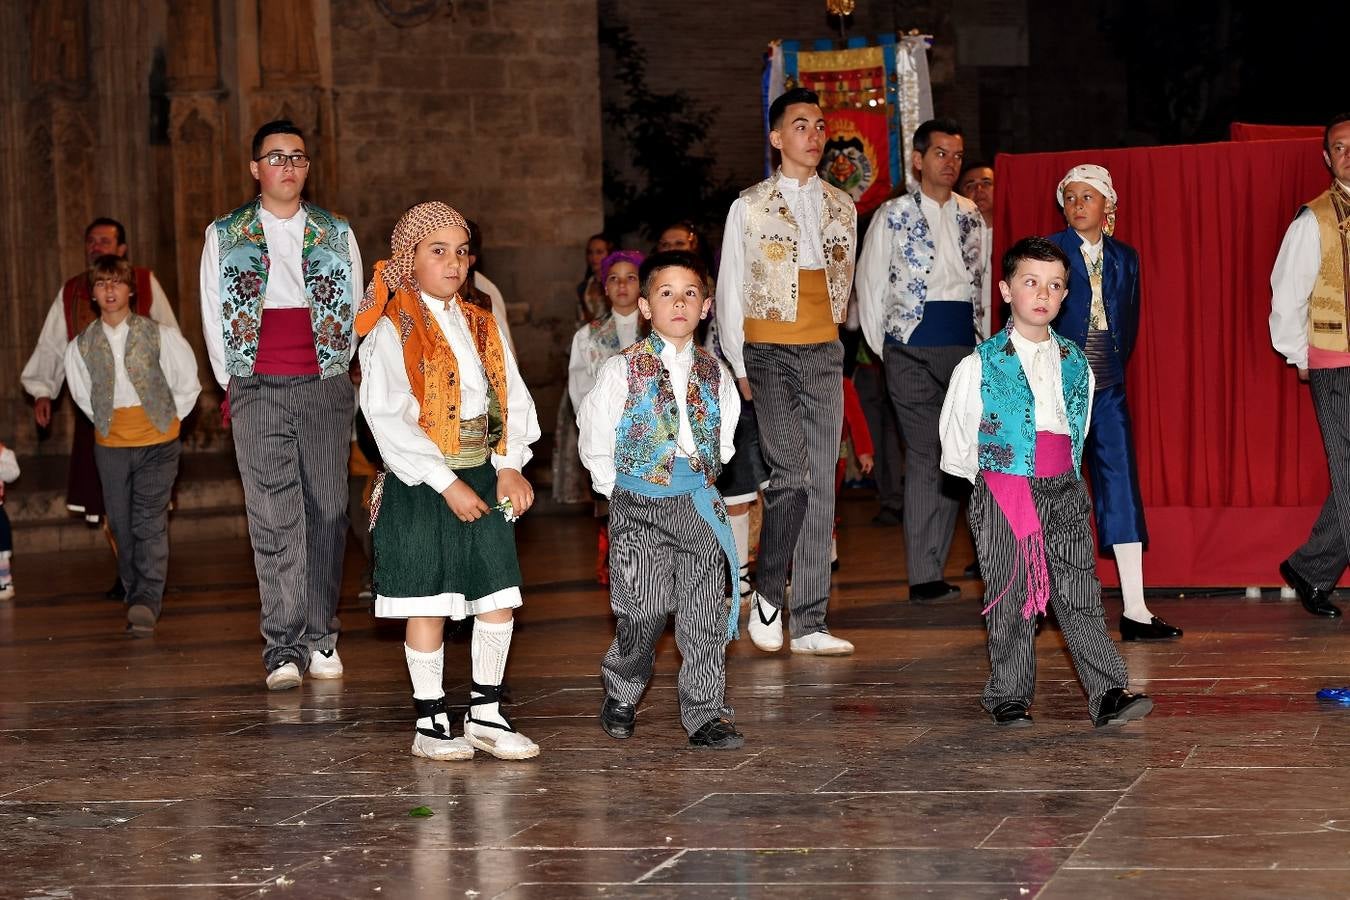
113,268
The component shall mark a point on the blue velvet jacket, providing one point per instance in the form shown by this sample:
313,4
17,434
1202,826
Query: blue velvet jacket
1120,292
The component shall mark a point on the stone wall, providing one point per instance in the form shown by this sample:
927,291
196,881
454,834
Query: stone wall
142,110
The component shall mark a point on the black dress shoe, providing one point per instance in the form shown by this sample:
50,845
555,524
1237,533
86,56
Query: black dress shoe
1155,630
1314,599
973,570
1119,706
117,592
717,734
618,718
933,592
1012,714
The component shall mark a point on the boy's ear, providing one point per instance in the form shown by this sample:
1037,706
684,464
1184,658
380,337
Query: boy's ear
645,308
776,141
1005,291
707,307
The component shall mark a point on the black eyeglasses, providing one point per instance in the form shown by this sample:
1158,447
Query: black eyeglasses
297,160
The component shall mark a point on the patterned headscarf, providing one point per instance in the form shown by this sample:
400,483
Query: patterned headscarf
629,256
396,273
1095,177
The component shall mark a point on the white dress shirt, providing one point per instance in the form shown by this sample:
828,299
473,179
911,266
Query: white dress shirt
176,361
1291,284
392,411
963,407
948,280
988,283
484,284
580,376
805,202
602,410
285,285
46,368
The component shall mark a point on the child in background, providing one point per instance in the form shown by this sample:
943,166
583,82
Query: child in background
856,436
9,472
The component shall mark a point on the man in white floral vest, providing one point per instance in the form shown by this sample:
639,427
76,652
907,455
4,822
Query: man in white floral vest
280,279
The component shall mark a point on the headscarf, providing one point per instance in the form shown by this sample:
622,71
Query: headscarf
1095,177
629,256
432,368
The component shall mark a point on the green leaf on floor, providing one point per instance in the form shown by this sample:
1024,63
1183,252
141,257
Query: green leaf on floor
421,812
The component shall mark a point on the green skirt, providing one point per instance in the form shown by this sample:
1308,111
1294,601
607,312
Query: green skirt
429,563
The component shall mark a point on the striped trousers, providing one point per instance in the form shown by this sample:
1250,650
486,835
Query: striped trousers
137,485
917,380
1323,557
799,405
1075,593
663,560
292,438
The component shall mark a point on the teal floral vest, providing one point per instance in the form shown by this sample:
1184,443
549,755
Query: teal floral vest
1008,424
142,364
326,267
646,440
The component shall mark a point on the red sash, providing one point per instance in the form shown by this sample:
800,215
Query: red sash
286,343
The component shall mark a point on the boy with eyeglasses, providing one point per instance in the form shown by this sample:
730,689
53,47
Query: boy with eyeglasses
280,280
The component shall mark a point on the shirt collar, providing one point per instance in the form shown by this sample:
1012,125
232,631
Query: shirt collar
269,218
630,319
118,329
790,185
670,354
435,304
1345,188
1028,345
933,204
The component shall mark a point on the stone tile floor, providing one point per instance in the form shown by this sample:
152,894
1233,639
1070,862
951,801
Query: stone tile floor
162,768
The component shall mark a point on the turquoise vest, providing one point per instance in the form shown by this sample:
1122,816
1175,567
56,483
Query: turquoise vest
1008,422
326,266
645,444
141,360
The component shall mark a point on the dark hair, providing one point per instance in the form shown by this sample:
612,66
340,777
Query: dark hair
1326,133
671,259
469,289
969,165
276,126
1039,248
110,267
475,239
687,226
103,221
786,99
923,135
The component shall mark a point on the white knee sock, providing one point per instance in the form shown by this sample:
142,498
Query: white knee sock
425,669
4,568
740,530
1130,568
491,643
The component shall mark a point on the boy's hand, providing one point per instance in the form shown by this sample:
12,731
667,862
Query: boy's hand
865,463
1302,376
463,502
513,486
744,384
42,411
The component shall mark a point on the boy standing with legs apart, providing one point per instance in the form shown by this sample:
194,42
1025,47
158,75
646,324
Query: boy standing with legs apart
136,380
787,270
655,432
1101,315
454,424
1013,423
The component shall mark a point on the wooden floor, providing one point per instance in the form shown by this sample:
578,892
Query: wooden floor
162,767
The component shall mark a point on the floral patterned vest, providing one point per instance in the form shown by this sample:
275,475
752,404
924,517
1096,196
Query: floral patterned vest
771,237
326,267
142,364
912,252
646,441
1007,439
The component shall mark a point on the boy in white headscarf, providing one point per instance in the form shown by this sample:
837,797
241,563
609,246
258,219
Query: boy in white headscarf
1101,315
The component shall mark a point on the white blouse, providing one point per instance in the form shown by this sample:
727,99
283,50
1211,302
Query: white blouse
392,411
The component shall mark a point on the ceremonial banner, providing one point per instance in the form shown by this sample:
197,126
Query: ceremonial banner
873,97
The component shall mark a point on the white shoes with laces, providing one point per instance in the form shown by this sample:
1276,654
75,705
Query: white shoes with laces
284,677
325,665
821,643
503,743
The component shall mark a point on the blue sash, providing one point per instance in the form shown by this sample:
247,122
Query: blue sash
708,504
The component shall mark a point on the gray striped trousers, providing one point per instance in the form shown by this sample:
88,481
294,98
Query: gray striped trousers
1323,557
664,559
1075,593
292,438
799,406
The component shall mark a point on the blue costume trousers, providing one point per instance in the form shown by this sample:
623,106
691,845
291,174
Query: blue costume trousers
1109,454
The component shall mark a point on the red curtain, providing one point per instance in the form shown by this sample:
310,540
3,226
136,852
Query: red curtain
1246,131
1231,464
